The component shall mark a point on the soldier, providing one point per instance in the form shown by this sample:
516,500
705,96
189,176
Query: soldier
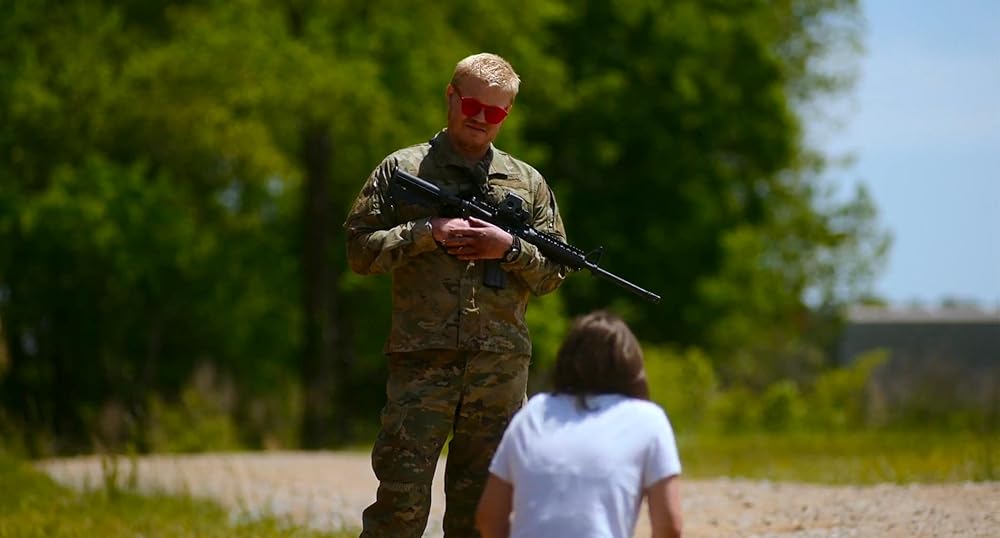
458,348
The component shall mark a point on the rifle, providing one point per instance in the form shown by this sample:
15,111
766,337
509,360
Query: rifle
511,216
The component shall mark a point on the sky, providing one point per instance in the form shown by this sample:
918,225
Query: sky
922,124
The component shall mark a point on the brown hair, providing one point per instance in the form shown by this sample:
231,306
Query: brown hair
600,355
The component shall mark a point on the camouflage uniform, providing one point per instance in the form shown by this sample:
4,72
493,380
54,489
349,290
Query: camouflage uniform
458,351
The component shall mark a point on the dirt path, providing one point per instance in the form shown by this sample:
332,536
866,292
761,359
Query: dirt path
328,490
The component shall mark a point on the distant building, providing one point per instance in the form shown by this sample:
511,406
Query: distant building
945,358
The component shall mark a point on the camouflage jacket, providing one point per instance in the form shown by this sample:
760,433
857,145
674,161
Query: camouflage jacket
439,301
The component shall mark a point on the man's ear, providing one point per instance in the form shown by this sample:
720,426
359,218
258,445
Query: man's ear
448,90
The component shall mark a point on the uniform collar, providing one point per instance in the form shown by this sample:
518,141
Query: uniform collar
444,153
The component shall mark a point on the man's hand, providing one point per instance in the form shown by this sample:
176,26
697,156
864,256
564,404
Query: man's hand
471,239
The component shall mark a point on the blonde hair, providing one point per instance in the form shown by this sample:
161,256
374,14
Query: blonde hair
489,68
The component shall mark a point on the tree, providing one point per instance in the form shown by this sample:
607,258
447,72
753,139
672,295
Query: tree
218,145
134,245
175,177
677,143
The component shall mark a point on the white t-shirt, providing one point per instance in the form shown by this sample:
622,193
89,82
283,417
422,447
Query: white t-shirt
579,473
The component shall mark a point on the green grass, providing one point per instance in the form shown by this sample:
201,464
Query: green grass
32,505
844,458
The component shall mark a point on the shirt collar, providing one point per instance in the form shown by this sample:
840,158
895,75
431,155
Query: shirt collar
445,155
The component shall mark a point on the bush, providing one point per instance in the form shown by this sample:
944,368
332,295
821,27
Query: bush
782,407
548,324
736,410
200,421
840,398
684,384
687,387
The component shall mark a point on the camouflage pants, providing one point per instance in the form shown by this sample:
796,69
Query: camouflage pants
431,394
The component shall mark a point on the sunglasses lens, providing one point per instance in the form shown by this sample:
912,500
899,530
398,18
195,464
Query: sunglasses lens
472,107
495,114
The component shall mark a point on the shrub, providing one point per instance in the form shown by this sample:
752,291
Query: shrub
684,384
782,407
840,398
200,421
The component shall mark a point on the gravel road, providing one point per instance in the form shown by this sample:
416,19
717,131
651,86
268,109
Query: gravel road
328,490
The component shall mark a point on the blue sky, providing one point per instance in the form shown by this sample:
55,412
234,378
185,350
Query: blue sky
923,124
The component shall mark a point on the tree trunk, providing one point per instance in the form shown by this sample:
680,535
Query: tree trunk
327,355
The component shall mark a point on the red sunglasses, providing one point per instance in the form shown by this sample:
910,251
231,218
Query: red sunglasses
471,107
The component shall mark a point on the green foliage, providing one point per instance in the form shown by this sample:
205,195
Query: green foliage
781,406
683,384
201,421
145,253
687,387
840,395
192,425
686,104
548,324
159,163
736,410
129,232
208,416
114,482
35,506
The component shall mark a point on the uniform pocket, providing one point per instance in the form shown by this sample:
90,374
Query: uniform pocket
500,188
392,418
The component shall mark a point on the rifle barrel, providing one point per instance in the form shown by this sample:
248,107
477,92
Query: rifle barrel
596,270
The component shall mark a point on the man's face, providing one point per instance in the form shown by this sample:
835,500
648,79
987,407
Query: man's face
472,135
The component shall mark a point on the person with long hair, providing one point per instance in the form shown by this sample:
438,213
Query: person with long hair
578,461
